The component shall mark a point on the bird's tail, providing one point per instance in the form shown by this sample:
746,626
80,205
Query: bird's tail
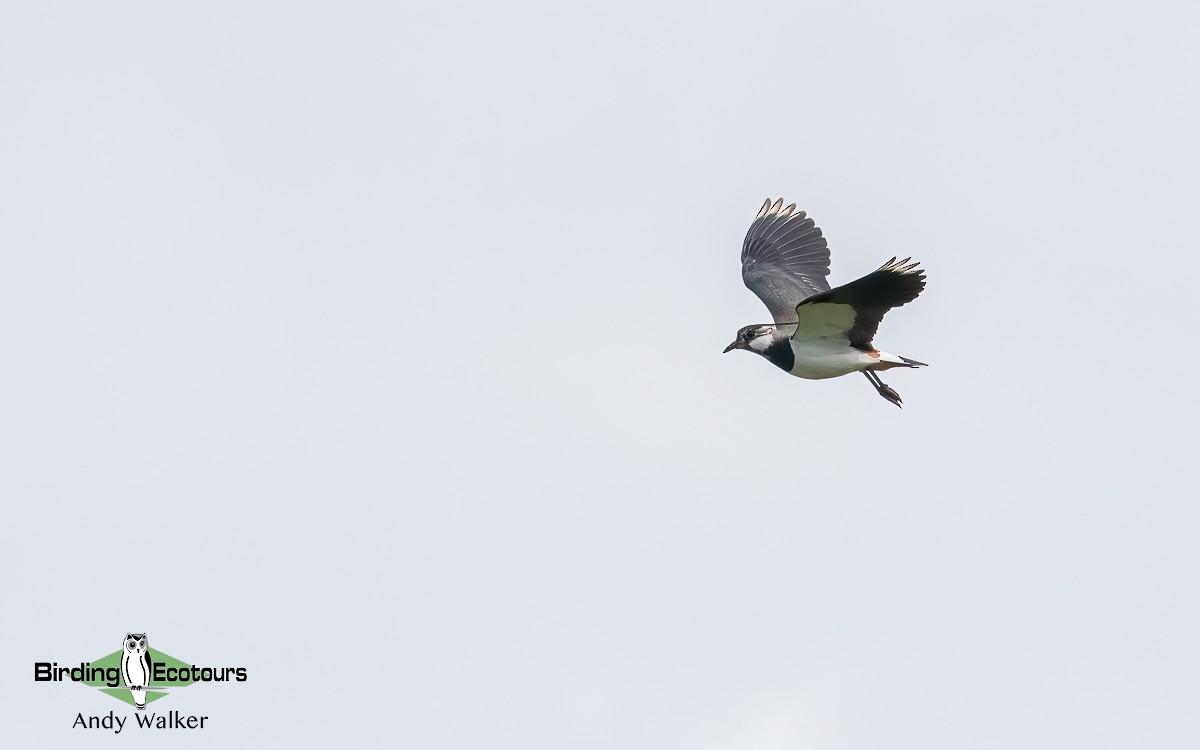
913,362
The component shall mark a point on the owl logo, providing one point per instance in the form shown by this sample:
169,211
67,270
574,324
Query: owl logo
135,667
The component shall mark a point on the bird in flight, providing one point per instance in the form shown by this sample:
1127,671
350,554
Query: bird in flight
819,332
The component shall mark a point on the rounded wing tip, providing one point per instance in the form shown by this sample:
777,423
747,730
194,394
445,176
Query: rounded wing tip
776,207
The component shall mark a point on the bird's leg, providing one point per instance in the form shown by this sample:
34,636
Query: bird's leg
883,388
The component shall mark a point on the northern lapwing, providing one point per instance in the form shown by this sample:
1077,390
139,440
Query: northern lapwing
819,332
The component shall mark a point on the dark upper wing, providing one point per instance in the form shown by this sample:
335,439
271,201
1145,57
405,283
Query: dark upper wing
784,259
855,309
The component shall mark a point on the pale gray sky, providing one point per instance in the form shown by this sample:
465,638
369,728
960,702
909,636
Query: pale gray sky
376,347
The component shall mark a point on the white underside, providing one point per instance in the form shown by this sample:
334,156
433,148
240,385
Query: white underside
821,359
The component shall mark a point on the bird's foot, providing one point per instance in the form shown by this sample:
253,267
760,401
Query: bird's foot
890,394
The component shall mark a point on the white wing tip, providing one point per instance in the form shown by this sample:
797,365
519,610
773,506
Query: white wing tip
901,266
777,208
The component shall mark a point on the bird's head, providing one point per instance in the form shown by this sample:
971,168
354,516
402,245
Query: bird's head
753,338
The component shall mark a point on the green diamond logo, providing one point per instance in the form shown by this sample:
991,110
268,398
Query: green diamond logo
156,689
